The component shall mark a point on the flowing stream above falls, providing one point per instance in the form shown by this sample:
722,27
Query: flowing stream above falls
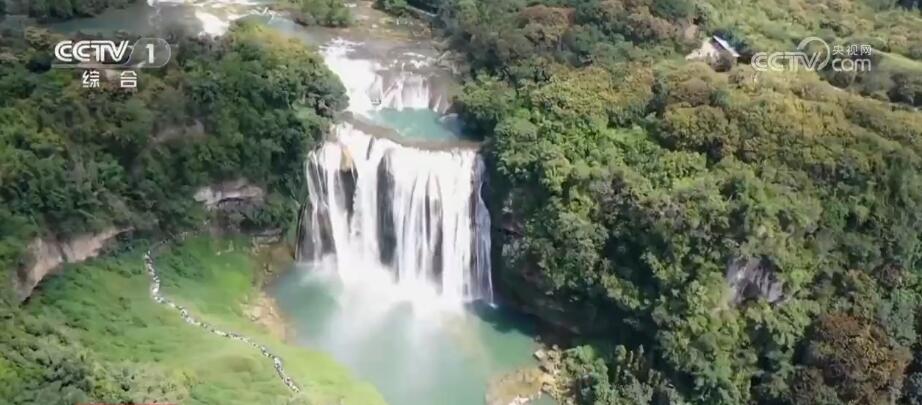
394,275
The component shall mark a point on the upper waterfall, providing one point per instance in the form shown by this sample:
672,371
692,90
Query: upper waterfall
406,82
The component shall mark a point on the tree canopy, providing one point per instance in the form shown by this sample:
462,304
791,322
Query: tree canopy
742,236
74,160
78,160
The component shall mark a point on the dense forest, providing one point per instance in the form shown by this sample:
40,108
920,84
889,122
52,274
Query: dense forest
328,13
708,234
60,9
77,160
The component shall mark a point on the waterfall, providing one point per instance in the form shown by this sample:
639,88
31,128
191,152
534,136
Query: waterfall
214,16
375,205
408,83
378,209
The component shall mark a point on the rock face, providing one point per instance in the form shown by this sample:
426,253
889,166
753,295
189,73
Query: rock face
44,255
264,311
753,278
229,194
516,388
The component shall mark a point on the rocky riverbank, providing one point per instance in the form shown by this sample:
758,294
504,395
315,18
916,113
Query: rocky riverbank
264,311
525,385
272,258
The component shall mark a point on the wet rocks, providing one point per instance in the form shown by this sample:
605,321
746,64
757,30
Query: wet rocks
550,364
528,384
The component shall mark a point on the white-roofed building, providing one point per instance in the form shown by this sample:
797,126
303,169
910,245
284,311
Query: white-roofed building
716,52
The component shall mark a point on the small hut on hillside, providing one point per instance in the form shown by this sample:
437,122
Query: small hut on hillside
716,52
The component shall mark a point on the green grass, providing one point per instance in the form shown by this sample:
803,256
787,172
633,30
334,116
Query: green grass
105,305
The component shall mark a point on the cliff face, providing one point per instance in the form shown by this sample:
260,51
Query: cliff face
228,194
754,278
45,255
516,275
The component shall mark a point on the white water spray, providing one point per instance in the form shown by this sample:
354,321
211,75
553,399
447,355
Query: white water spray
380,209
378,206
371,85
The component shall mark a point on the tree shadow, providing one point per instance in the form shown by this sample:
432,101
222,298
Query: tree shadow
506,320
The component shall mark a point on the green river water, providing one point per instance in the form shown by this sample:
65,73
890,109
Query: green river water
414,357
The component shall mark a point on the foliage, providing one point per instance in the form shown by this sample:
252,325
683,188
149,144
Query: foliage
92,334
855,359
397,7
65,9
485,103
630,181
628,381
526,40
77,160
328,13
41,363
637,226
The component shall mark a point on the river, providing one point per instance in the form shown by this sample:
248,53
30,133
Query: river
394,276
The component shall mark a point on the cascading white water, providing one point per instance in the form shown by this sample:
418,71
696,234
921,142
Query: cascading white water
378,207
372,85
216,16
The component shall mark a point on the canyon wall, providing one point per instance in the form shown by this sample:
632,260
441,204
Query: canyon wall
45,255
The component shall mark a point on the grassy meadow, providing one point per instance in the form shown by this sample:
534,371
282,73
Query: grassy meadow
105,307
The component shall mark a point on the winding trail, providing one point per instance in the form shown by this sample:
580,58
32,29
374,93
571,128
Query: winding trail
188,318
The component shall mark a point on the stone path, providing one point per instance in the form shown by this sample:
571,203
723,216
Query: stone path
188,318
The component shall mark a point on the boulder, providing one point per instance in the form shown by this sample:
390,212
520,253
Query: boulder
233,192
753,278
518,387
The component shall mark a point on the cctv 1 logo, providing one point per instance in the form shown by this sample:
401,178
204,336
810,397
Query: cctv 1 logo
106,54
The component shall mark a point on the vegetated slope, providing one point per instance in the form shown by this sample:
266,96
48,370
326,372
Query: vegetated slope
60,9
78,160
93,334
713,237
526,39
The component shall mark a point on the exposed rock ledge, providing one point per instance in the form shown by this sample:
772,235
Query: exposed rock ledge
232,192
45,255
265,312
525,385
754,278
